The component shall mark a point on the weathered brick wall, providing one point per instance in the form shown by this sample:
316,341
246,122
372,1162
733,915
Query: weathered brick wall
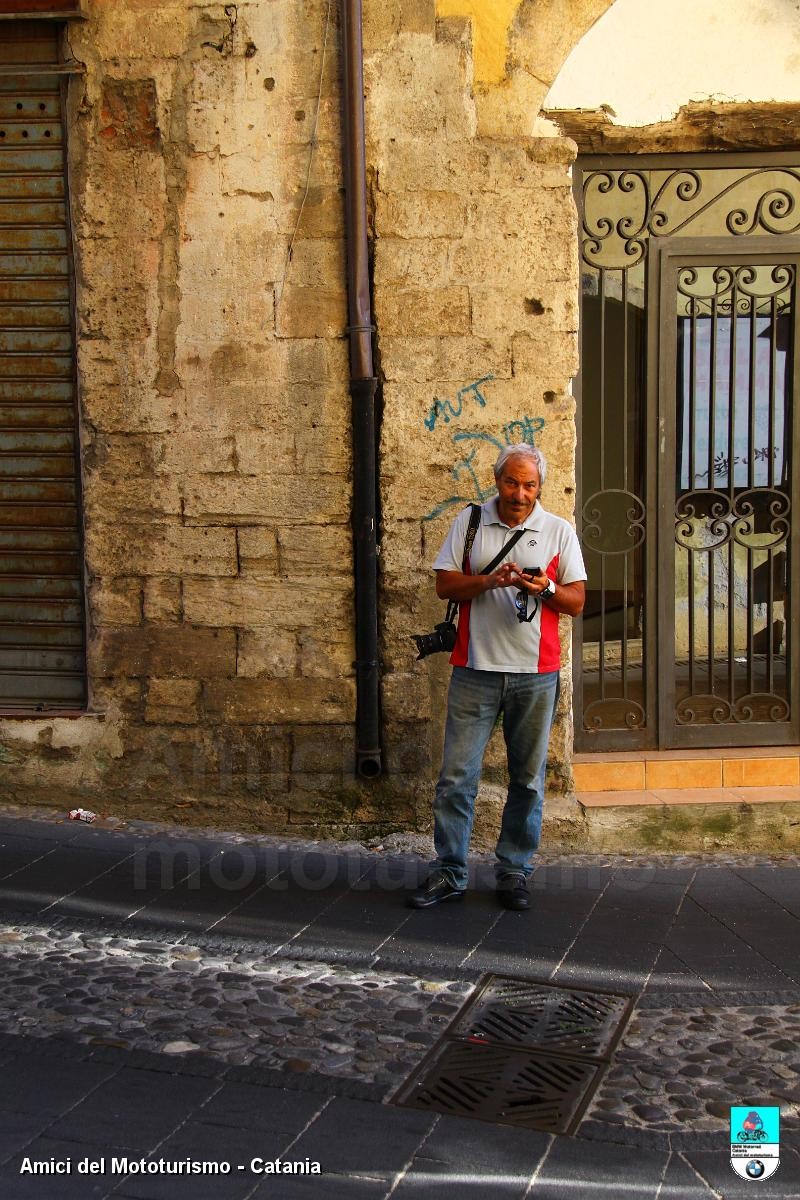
214,400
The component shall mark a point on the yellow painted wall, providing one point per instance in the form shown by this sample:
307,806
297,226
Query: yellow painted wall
491,22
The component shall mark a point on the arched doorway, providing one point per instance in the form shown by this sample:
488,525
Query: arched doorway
687,435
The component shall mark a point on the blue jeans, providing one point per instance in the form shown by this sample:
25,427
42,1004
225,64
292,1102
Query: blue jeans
474,700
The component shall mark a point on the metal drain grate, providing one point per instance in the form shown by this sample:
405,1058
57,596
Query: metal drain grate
521,1053
522,1013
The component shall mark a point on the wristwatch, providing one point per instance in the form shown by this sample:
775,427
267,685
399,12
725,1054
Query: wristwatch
548,592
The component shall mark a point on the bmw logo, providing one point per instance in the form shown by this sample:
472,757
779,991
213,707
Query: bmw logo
755,1168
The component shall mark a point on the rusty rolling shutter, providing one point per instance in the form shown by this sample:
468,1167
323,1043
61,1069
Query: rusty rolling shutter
42,625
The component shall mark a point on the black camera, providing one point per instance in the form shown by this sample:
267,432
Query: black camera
442,638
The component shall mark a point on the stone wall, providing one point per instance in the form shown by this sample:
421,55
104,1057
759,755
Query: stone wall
211,304
475,296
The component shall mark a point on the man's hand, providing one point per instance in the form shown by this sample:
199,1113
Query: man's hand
452,585
532,584
569,598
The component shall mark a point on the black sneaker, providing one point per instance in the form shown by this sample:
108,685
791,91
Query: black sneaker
435,889
512,892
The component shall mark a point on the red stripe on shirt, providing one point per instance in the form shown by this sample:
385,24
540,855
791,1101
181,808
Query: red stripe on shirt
460,655
549,645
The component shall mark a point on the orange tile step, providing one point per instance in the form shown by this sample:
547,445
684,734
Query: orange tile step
668,771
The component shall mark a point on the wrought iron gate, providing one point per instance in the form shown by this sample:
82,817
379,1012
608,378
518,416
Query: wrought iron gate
42,656
689,329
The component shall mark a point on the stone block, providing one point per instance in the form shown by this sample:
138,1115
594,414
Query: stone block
412,262
418,16
421,214
527,351
121,311
258,552
166,652
322,750
512,262
162,600
172,701
114,601
250,603
120,501
406,696
188,453
510,212
412,752
420,91
241,314
280,701
111,408
287,498
229,408
259,256
266,654
322,215
323,439
164,549
284,174
308,312
412,163
381,24
421,312
508,112
118,698
100,210
402,549
128,114
321,551
328,654
317,263
122,34
454,361
265,451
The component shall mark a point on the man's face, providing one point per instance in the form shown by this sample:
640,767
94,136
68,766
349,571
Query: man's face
517,489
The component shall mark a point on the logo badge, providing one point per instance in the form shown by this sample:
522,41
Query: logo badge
755,1141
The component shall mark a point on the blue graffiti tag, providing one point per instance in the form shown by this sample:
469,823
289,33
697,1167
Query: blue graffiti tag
445,409
522,430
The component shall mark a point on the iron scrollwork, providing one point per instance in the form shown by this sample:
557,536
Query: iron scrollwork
703,709
715,710
620,241
757,519
602,532
761,513
703,520
617,711
776,708
745,289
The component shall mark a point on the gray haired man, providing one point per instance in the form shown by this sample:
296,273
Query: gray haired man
506,661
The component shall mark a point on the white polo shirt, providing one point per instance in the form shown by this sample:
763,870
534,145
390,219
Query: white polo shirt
490,638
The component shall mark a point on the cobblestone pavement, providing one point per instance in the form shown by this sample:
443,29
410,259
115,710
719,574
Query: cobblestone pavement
176,999
673,1071
677,1066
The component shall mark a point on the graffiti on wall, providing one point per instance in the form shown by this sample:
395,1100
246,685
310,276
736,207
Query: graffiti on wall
477,448
448,409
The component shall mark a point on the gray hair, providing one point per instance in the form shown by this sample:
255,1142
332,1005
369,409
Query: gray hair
521,450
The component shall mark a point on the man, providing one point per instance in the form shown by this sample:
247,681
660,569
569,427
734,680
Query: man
506,660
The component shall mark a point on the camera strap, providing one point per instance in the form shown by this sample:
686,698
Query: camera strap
469,538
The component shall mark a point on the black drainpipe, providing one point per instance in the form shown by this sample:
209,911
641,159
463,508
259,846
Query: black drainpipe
363,385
